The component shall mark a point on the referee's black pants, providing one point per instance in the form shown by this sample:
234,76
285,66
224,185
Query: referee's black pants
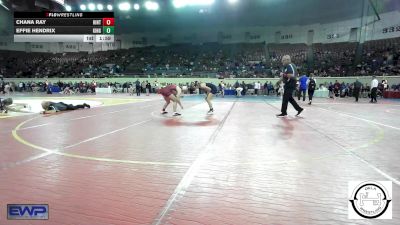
288,97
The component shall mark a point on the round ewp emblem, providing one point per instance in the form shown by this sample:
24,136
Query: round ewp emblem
370,200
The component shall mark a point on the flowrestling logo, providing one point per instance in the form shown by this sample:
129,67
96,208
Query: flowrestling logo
27,211
370,200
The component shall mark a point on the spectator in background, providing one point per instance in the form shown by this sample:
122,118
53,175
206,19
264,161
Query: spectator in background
311,88
125,85
336,88
357,89
93,86
366,91
244,86
222,88
237,84
346,90
67,91
331,90
7,88
148,88
143,87
239,90
279,88
303,87
380,90
374,89
270,87
20,86
266,90
156,86
385,84
192,88
130,89
138,87
2,84
257,87
351,89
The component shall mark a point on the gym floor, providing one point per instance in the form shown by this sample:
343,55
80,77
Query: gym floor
123,163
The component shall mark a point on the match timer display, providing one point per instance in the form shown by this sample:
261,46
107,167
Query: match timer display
64,26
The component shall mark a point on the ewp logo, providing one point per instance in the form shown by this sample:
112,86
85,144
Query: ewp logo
27,211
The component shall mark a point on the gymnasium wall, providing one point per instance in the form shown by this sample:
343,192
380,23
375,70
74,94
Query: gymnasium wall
323,33
5,19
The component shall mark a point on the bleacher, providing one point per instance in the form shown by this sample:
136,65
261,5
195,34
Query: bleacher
380,57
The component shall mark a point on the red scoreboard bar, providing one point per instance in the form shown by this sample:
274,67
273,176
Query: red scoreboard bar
64,26
108,21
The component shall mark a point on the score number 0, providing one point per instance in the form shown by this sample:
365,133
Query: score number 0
108,25
108,21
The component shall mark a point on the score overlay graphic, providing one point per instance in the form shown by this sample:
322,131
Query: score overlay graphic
64,26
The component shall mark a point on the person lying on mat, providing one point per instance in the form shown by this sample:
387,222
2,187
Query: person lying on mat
53,107
4,104
8,105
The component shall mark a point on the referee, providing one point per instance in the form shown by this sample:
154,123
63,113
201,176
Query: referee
289,79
